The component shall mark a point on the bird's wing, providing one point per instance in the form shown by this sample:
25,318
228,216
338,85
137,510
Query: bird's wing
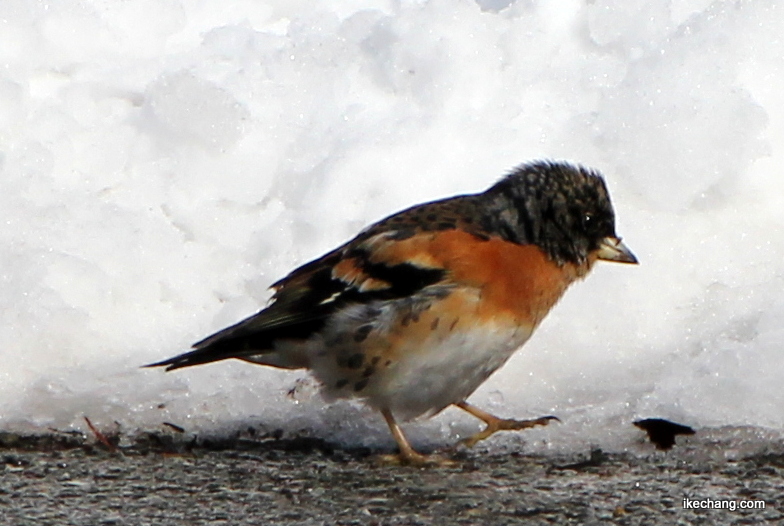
368,268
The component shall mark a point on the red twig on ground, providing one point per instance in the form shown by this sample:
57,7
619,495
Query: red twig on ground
100,436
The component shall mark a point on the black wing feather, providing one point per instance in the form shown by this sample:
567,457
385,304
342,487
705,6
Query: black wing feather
303,302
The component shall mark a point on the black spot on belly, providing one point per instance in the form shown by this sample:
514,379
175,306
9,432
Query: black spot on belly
453,324
355,361
360,385
434,324
362,333
352,362
368,372
375,360
340,384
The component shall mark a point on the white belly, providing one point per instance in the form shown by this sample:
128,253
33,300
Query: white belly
444,372
423,373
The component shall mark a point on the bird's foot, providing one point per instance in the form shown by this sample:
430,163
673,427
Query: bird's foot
505,424
408,456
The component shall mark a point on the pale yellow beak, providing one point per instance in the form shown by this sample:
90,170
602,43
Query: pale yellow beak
611,249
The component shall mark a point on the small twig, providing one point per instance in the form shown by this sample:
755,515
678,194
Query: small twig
100,436
174,427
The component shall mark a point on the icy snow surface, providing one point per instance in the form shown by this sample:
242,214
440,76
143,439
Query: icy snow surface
163,162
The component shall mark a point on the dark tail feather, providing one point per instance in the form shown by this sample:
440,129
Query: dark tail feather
252,336
214,349
241,339
197,357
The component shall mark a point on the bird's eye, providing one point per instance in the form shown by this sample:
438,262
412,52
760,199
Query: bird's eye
589,221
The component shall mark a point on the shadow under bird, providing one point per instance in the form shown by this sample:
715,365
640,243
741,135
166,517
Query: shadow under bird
419,309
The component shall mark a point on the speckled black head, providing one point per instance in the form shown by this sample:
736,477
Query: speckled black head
563,209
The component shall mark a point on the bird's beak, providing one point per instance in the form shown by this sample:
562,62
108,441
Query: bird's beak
611,249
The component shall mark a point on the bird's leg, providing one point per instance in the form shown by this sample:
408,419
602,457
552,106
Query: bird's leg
408,456
495,424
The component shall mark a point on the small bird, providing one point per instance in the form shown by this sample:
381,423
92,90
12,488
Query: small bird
419,309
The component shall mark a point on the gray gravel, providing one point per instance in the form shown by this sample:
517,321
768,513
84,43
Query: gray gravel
74,481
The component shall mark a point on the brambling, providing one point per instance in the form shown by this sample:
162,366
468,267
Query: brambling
419,309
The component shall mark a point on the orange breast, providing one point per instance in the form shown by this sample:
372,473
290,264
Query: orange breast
515,280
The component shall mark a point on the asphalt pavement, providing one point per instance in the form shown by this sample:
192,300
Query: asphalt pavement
161,480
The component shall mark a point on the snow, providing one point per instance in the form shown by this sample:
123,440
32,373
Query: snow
163,162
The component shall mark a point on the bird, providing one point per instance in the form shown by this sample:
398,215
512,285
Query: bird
413,314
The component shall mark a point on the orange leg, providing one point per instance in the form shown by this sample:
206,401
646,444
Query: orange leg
407,455
495,424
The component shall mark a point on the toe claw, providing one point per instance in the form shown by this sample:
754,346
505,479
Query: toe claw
499,424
